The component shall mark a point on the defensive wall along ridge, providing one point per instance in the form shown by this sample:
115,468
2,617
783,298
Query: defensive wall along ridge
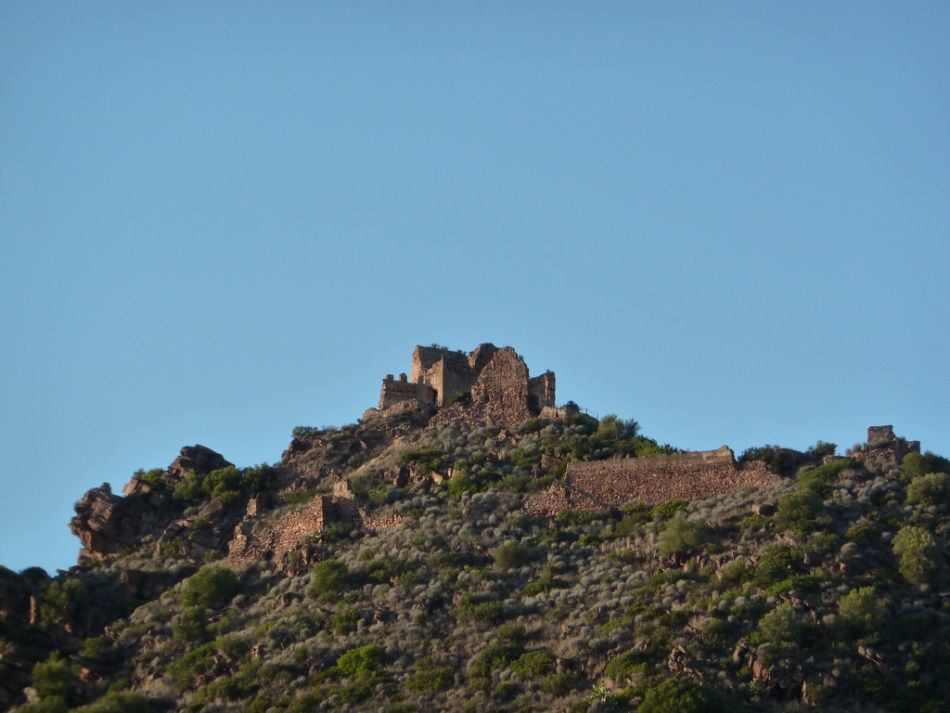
600,485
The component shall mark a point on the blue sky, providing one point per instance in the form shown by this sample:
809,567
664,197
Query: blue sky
221,220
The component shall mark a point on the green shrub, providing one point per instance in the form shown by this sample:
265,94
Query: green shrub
55,677
468,610
188,489
929,489
363,662
511,555
494,657
681,535
424,460
328,579
228,484
183,671
557,684
821,449
919,554
546,580
823,476
798,510
776,563
210,587
861,610
154,478
623,666
532,664
735,572
680,695
917,464
805,584
783,461
666,510
861,532
782,626
63,601
430,677
191,624
345,621
119,702
613,428
96,648
633,517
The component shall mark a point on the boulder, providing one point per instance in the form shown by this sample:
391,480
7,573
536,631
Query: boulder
198,458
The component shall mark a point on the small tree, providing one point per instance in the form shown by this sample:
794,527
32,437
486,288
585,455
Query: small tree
919,554
929,489
210,587
797,511
681,535
861,610
55,677
511,555
782,626
430,677
328,579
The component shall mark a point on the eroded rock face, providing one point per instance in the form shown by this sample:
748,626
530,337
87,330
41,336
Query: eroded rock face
102,523
105,523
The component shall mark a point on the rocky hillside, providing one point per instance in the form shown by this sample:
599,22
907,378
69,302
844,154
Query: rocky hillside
391,565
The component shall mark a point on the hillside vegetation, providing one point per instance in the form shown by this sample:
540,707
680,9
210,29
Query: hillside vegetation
829,591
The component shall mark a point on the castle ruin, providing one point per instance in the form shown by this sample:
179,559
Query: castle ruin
489,383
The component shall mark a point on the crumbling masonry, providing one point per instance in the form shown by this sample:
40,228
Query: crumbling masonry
601,485
493,384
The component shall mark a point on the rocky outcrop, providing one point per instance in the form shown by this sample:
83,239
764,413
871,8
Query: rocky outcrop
198,458
103,523
106,523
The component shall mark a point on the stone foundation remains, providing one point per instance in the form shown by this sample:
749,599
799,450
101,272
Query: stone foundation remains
601,485
884,450
255,539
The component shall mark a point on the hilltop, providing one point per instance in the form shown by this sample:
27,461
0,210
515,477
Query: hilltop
471,545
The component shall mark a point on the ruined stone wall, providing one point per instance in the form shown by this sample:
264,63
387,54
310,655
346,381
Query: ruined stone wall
599,485
541,389
454,377
423,359
396,391
884,451
255,539
447,372
497,379
500,394
480,356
